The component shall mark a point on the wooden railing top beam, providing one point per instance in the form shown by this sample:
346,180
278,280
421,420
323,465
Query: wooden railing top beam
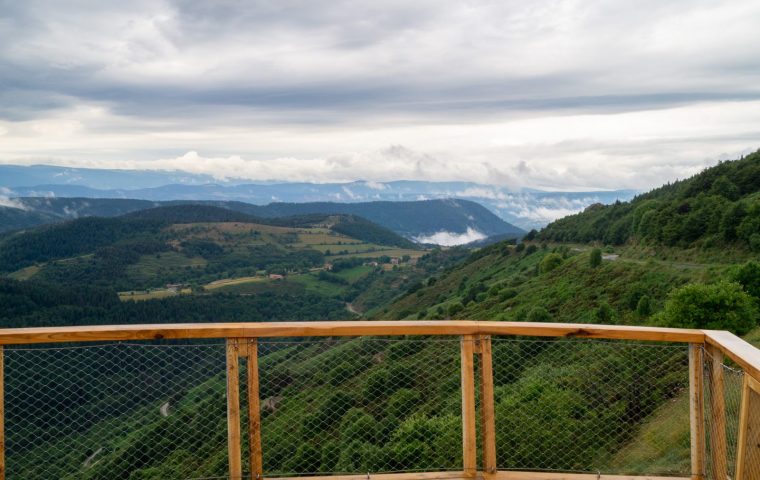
18,336
740,351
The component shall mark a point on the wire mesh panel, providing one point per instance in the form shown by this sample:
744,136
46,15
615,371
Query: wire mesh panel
748,445
591,406
118,411
360,405
722,427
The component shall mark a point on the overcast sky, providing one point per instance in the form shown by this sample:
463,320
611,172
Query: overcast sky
548,94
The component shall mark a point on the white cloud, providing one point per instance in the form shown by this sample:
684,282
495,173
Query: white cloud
450,239
375,185
6,201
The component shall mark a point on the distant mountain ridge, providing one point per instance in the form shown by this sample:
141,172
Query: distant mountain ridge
408,219
526,208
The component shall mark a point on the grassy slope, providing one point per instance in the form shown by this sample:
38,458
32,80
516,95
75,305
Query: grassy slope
571,293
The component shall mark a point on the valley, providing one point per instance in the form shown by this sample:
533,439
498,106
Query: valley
190,263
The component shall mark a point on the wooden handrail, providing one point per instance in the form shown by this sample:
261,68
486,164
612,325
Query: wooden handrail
16,336
740,351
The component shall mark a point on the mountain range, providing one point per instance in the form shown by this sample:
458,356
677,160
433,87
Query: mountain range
444,222
525,208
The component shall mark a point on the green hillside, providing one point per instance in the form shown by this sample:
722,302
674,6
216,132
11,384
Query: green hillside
718,208
191,244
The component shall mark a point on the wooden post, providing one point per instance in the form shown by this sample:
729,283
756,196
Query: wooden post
488,425
748,446
469,435
233,409
2,413
254,411
718,442
696,409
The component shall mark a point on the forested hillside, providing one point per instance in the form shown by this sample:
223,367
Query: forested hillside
409,219
719,207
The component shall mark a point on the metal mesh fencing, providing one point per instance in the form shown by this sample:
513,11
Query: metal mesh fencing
118,411
721,452
360,405
612,407
149,411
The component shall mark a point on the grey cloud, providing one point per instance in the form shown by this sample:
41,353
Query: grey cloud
161,67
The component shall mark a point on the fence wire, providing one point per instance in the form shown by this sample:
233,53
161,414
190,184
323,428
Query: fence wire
118,411
149,411
360,405
731,393
591,406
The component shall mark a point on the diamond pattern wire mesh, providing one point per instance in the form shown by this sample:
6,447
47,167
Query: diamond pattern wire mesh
360,405
752,450
119,411
733,379
143,411
591,406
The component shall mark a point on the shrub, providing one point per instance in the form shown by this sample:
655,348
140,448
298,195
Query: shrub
506,294
605,313
375,385
307,458
342,372
539,314
532,248
596,257
550,262
330,456
400,376
358,425
403,402
748,276
455,308
643,307
720,306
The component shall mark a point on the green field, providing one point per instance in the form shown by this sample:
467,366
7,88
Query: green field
25,273
151,265
356,273
152,295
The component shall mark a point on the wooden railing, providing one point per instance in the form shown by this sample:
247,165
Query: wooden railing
241,341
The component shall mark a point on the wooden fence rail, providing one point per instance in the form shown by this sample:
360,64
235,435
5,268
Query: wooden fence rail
241,342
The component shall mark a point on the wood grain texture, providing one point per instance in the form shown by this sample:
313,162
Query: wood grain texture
487,415
496,476
233,409
718,440
697,411
469,435
738,350
385,476
254,410
571,476
14,336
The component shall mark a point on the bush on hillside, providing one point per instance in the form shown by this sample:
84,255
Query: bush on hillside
596,257
550,262
719,306
539,314
644,306
748,276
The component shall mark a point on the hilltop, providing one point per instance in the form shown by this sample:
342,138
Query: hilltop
717,208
